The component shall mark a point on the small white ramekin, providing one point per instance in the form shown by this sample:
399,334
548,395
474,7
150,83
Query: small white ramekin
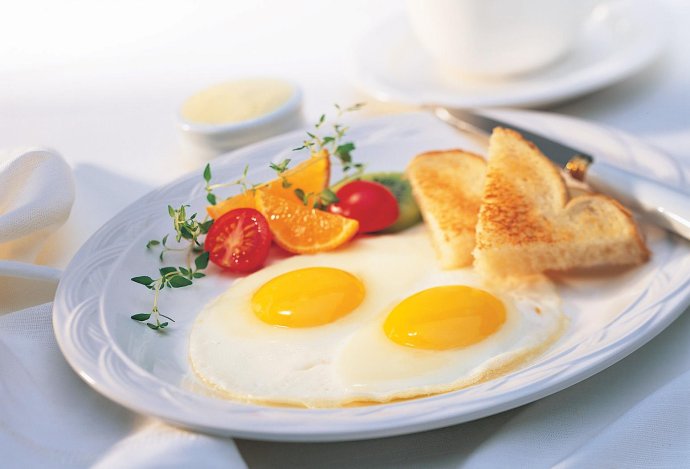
214,139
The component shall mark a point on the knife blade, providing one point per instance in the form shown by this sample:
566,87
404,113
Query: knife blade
656,202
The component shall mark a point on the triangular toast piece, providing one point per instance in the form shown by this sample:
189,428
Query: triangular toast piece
447,186
528,223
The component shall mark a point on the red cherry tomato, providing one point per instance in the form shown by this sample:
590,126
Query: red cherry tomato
372,204
239,240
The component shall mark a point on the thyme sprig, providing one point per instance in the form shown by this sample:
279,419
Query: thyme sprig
280,168
241,181
333,144
188,231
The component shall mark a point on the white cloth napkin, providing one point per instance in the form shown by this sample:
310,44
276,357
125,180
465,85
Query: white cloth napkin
49,417
36,196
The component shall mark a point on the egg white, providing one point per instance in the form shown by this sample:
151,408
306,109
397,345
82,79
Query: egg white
351,359
374,368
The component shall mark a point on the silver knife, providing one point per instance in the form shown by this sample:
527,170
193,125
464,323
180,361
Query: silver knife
658,203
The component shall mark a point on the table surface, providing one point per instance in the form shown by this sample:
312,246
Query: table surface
101,83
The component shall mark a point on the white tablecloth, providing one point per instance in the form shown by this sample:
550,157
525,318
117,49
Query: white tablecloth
101,83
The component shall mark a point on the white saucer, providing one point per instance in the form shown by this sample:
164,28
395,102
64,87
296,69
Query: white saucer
619,40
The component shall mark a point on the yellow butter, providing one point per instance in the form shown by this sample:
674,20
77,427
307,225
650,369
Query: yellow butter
237,101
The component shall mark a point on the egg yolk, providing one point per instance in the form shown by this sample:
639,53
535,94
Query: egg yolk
307,297
443,318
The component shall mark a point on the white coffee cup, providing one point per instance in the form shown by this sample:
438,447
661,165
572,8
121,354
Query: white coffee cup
496,38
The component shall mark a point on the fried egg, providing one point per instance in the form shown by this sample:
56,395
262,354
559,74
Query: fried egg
373,322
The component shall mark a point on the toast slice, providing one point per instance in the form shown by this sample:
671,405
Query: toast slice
528,223
447,186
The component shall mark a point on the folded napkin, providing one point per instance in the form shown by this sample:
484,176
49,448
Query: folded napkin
49,417
36,196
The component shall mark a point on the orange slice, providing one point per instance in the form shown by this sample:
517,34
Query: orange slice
243,200
301,229
310,175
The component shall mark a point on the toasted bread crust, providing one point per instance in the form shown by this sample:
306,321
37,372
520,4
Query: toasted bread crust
527,224
447,186
526,177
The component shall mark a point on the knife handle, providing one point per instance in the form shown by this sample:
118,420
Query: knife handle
660,204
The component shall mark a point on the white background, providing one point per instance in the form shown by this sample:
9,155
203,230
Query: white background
101,81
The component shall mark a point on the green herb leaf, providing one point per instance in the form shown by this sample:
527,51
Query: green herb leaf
184,271
207,172
301,195
343,152
185,232
205,226
328,197
198,275
355,107
178,281
201,261
152,326
171,211
162,325
152,243
167,270
211,197
141,316
280,167
144,280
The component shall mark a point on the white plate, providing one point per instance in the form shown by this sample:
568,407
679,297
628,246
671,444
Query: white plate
617,42
148,372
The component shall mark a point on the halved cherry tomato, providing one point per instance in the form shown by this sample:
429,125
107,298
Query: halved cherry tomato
370,203
239,240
